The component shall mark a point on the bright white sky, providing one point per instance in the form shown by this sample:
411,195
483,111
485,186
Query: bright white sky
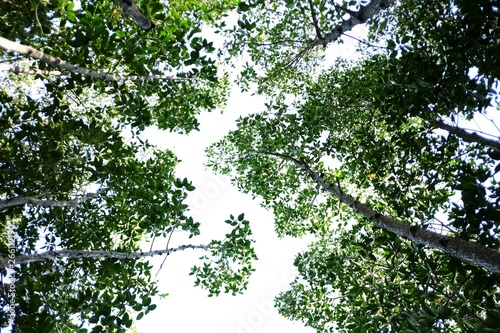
187,308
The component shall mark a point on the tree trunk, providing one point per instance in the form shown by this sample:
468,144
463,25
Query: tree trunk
485,257
359,17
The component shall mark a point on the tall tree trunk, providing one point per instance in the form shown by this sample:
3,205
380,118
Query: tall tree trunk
485,257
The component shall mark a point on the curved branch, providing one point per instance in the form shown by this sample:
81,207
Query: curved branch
485,257
28,51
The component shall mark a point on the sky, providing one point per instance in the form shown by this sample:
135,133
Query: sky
187,308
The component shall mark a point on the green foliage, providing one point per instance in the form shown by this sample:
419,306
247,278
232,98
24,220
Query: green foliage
68,137
229,263
374,128
366,278
98,36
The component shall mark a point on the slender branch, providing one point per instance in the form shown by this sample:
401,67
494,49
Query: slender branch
466,136
485,257
315,20
273,43
364,42
28,51
131,9
59,254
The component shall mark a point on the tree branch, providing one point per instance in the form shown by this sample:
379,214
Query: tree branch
466,136
51,255
315,21
131,9
28,51
485,257
358,17
361,16
44,202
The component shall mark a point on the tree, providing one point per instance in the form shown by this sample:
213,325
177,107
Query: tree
77,184
370,280
379,136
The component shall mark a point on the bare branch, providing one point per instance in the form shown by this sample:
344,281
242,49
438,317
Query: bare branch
276,42
466,136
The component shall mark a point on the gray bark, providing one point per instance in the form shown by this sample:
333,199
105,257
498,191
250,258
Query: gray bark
485,257
131,9
28,51
466,136
356,17
359,17
43,202
51,255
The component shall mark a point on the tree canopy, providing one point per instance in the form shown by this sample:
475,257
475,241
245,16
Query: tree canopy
82,191
377,142
374,156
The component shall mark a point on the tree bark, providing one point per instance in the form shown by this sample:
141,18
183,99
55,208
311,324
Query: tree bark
485,257
43,202
466,136
131,9
28,51
51,255
359,17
